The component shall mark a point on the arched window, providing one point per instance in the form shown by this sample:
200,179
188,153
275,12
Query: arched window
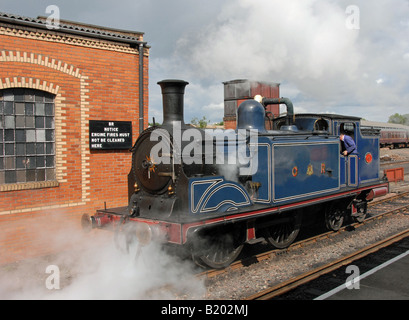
27,137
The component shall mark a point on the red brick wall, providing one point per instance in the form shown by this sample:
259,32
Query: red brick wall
92,80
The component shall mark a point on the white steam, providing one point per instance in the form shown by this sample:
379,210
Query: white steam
95,269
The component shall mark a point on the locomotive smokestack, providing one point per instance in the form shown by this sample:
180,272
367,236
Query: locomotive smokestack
173,96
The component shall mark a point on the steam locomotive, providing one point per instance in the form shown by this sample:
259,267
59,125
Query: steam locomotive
212,192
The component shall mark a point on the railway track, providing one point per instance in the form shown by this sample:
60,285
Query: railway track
401,195
393,163
289,285
268,254
311,275
303,279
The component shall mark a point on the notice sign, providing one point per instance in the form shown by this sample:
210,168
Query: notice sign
110,135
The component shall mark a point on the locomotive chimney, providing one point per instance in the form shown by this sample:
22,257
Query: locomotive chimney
173,96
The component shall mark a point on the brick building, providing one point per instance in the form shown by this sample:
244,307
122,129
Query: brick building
52,83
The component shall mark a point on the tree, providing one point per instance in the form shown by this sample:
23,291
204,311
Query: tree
397,118
202,123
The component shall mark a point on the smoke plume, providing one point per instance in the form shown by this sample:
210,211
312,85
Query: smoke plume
96,269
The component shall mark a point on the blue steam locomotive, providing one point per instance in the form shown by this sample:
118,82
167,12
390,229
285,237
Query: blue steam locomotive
213,191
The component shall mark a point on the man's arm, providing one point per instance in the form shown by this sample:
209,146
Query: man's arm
349,144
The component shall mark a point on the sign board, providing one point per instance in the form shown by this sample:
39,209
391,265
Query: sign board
110,135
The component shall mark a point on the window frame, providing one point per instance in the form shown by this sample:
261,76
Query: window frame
27,139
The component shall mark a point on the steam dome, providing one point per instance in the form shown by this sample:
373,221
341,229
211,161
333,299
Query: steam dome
251,115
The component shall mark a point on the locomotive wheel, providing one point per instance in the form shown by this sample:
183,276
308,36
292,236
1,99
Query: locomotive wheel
282,235
334,216
217,247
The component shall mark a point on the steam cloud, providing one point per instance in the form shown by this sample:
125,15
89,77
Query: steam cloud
97,270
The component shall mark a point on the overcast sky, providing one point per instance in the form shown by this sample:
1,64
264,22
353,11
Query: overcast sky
327,55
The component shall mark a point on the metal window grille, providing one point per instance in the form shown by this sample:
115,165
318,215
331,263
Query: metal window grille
27,136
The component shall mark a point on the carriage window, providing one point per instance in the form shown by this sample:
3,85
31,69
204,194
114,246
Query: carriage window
27,143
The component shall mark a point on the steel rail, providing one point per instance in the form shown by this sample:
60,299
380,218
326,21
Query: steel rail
397,196
286,286
393,163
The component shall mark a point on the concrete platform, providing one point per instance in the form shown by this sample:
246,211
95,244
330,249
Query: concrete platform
389,281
